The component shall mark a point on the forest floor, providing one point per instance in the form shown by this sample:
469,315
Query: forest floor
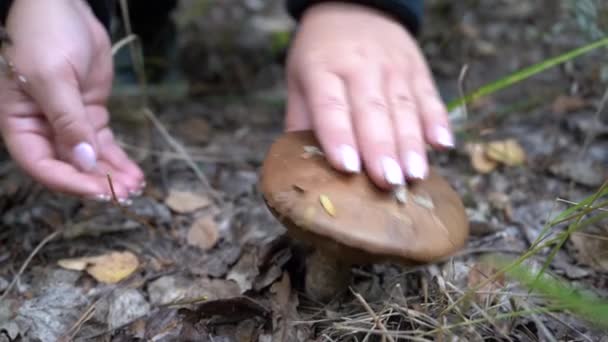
206,265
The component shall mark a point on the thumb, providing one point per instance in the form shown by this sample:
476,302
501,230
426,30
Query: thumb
74,135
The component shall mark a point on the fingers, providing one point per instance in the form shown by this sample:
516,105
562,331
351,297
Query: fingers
432,111
374,126
125,170
408,126
297,117
34,154
60,100
327,104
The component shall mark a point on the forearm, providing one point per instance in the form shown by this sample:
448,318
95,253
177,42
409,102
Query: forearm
407,12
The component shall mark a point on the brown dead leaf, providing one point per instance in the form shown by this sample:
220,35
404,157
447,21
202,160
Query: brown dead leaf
194,130
566,103
203,233
107,268
591,250
479,274
185,201
284,303
479,161
508,152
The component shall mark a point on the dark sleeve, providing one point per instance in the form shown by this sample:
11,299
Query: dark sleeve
101,8
407,12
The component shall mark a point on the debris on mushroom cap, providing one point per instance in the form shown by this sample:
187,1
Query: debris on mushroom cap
337,210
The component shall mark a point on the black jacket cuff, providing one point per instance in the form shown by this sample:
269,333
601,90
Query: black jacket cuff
408,12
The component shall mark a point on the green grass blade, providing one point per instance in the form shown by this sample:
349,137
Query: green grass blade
577,301
525,73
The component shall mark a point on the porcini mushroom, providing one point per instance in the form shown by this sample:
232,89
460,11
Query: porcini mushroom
349,220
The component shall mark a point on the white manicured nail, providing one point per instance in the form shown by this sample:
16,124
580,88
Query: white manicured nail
102,198
84,156
350,159
125,202
416,166
136,192
444,137
392,171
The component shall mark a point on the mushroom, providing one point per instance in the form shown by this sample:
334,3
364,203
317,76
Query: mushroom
348,220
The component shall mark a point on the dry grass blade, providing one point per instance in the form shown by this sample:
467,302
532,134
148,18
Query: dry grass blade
86,315
27,262
137,56
182,151
374,316
539,323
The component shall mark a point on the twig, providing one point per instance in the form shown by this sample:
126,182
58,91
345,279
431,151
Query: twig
374,316
27,262
124,210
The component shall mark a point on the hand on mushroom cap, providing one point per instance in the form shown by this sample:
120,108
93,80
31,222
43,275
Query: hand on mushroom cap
358,79
349,219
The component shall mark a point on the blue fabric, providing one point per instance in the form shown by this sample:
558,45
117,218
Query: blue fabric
407,12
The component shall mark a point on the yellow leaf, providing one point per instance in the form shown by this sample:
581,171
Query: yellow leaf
508,152
77,264
114,267
108,268
479,161
327,205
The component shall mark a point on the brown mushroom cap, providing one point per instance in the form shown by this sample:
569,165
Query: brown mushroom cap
366,223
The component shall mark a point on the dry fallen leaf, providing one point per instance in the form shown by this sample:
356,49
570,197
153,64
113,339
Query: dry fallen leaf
565,104
485,296
479,160
203,233
107,268
327,205
508,152
591,250
185,201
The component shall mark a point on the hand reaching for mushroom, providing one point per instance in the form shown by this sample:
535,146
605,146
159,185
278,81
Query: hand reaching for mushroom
55,125
358,79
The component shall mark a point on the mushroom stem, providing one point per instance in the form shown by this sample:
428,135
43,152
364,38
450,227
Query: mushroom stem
326,276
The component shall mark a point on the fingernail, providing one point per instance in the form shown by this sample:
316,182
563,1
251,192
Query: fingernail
125,202
350,158
444,137
101,198
136,192
392,171
416,166
84,156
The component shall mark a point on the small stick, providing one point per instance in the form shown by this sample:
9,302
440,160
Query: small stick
27,262
374,316
124,210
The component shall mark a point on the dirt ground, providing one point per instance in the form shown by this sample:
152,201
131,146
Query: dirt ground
212,264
